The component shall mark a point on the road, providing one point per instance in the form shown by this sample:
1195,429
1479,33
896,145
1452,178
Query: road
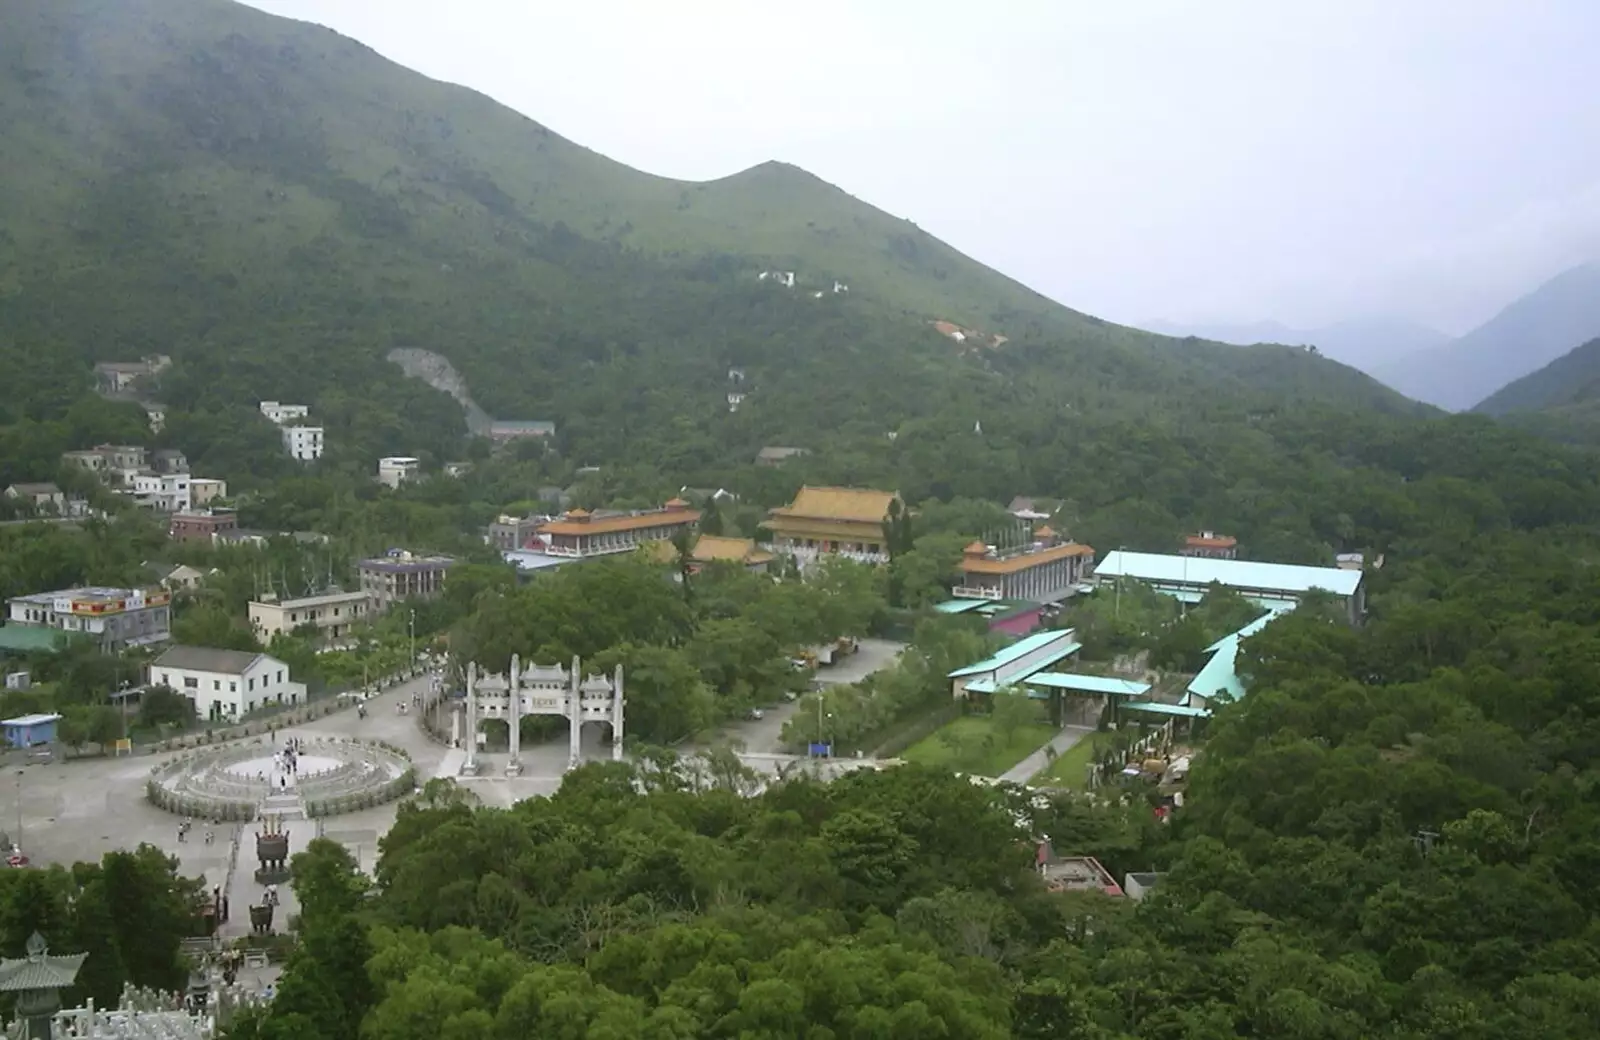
765,735
1024,771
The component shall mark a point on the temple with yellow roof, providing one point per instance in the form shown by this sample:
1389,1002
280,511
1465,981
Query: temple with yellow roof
716,548
833,521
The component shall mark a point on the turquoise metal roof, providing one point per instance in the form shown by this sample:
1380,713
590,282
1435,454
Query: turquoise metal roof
1235,574
1219,675
1021,648
1087,684
1166,709
958,606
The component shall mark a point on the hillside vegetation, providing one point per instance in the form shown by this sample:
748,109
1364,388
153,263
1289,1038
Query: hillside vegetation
277,207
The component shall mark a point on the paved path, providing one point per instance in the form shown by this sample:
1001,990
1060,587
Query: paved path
1024,771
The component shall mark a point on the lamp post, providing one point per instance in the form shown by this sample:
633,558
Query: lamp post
411,630
18,842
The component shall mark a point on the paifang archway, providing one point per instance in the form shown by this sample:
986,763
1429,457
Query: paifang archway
541,689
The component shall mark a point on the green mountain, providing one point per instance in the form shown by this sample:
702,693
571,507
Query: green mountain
277,207
1560,401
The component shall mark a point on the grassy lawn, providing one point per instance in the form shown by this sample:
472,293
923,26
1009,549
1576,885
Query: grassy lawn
971,744
1072,766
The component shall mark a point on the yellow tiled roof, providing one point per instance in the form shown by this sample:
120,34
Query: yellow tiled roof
859,505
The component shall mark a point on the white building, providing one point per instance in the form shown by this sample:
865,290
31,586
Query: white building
303,443
115,618
282,413
334,614
225,684
163,492
398,469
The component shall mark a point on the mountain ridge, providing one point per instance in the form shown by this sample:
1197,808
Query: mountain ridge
1523,337
1366,344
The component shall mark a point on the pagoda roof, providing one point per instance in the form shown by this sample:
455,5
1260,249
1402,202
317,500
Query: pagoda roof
40,969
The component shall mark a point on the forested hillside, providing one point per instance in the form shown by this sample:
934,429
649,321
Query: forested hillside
277,207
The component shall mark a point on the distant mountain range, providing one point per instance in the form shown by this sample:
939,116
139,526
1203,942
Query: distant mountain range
1571,379
1524,337
1456,374
1367,344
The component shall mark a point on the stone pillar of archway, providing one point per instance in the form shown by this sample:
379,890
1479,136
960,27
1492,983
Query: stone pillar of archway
514,716
471,764
616,716
575,712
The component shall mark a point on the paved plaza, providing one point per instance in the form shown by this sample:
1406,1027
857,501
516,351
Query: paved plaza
69,811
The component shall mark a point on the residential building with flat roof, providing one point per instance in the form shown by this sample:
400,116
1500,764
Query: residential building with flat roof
201,525
162,492
1042,570
514,532
115,618
281,413
502,430
401,575
1074,873
46,497
580,533
169,460
303,442
333,613
833,521
225,684
1271,585
395,470
203,490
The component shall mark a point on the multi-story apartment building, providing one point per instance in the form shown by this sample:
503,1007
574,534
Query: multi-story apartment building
398,469
303,443
580,533
333,613
115,618
400,576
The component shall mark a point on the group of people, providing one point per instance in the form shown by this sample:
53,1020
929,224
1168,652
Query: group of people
188,825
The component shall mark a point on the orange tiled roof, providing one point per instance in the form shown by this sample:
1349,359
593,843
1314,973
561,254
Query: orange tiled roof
856,505
977,548
578,522
1214,542
1024,561
1045,531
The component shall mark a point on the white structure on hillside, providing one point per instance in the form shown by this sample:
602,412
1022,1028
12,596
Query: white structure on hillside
225,684
540,690
398,469
163,492
282,413
333,613
303,443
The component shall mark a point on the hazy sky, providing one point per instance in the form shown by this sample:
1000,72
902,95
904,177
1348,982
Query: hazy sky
1303,161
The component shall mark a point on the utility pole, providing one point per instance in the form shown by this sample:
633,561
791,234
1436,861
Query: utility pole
18,842
411,628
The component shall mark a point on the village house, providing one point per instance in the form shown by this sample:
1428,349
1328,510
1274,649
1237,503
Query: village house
402,576
201,525
156,415
831,520
332,613
1211,546
513,532
115,463
162,492
303,443
1044,569
182,578
116,377
204,490
580,533
1032,509
47,498
115,618
169,460
279,414
395,470
225,684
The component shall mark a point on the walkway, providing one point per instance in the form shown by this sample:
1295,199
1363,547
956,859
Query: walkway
1024,771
